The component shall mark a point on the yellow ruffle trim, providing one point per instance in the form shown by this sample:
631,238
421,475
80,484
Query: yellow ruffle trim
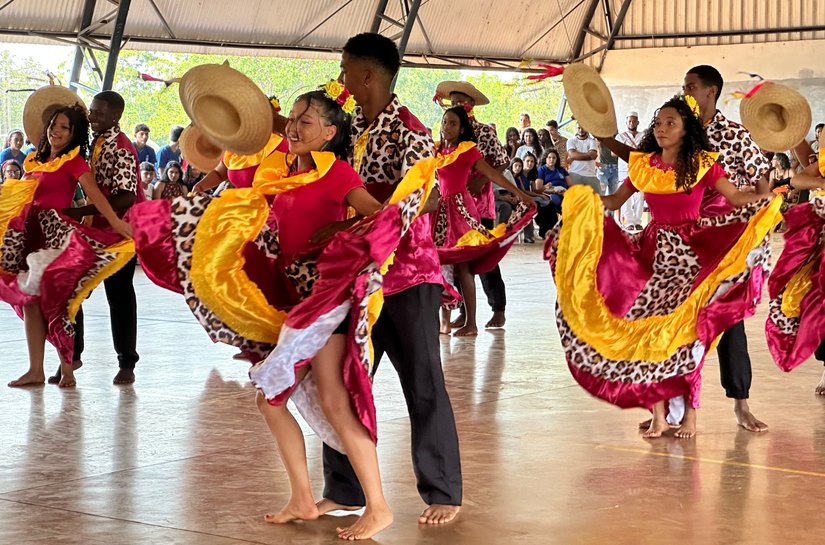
654,338
233,161
452,157
124,251
31,165
796,290
477,238
821,162
650,179
14,197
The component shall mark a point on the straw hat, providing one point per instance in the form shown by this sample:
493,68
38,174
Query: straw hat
777,116
41,105
590,100
227,106
445,88
198,149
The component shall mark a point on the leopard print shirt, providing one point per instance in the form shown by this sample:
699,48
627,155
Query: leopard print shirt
116,168
743,161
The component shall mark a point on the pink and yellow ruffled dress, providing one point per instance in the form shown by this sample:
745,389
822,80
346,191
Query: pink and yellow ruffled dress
252,280
796,318
638,314
47,258
240,169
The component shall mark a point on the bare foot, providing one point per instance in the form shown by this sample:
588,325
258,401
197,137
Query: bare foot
645,424
294,510
444,329
688,427
326,506
124,376
657,427
467,331
55,378
367,525
439,514
745,418
820,388
67,379
459,321
239,356
29,379
497,320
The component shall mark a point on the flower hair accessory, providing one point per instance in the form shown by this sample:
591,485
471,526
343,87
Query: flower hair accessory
691,103
340,95
276,104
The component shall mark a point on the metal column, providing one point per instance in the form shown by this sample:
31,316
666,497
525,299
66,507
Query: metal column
405,36
86,20
114,48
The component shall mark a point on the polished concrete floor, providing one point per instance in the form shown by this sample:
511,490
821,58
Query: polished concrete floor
182,457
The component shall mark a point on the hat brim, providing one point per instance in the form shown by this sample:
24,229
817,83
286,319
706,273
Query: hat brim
590,100
446,88
777,117
227,106
199,150
41,105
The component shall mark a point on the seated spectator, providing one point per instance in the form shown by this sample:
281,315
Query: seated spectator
557,140
524,121
171,151
171,183
817,132
552,181
145,152
191,175
522,174
147,178
531,145
11,170
544,139
512,141
14,147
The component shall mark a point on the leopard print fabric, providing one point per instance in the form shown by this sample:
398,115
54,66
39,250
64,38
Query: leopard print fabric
116,167
303,273
818,205
743,161
473,223
742,214
441,224
489,145
785,324
13,251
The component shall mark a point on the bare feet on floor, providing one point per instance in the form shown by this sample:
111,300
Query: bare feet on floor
466,331
439,514
55,378
326,506
444,328
656,429
294,510
459,321
688,428
820,388
124,376
497,320
645,424
746,419
367,525
29,379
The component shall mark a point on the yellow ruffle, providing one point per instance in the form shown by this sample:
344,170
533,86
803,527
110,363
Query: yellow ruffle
654,338
452,157
821,162
796,290
233,161
477,238
30,164
650,179
272,176
124,251
15,196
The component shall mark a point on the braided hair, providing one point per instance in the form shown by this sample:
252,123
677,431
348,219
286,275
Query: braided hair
694,141
79,125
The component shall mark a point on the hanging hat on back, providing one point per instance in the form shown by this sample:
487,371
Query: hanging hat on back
777,116
198,149
590,100
446,88
41,105
227,106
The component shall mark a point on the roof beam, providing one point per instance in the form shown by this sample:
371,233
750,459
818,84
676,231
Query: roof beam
608,18
114,48
163,20
588,19
85,21
721,33
617,27
379,15
323,22
552,27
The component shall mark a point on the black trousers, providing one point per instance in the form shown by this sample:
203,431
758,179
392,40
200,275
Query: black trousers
546,218
735,362
120,293
820,352
491,282
407,331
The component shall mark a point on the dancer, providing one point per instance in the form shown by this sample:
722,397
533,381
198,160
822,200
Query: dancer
461,238
637,321
50,263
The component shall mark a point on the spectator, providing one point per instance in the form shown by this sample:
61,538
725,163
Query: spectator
506,201
544,139
147,178
582,151
558,141
817,132
551,183
608,170
29,148
171,151
145,152
191,175
512,141
171,183
531,145
14,147
630,215
11,170
524,121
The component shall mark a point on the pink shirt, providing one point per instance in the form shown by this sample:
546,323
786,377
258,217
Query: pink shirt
56,189
299,213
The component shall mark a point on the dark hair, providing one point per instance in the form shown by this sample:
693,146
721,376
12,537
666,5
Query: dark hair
332,112
818,126
533,173
709,76
783,160
536,145
694,141
553,123
113,99
466,132
141,127
543,131
146,166
11,132
172,164
514,161
548,152
79,125
377,49
174,134
6,163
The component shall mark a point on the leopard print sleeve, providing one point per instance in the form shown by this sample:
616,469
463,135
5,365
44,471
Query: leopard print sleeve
418,145
490,147
124,173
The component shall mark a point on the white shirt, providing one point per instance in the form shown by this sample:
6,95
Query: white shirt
582,168
634,142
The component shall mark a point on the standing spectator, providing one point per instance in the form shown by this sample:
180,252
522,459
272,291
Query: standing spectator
531,144
145,152
524,121
147,178
512,141
630,215
608,170
14,147
817,132
558,141
171,151
582,151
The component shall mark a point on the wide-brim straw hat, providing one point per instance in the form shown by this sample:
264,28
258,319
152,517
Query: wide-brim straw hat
41,105
198,149
777,116
227,106
445,88
590,100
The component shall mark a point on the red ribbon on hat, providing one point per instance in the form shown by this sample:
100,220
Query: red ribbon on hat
550,71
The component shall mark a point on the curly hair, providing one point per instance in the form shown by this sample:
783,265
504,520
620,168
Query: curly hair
465,132
694,141
79,125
